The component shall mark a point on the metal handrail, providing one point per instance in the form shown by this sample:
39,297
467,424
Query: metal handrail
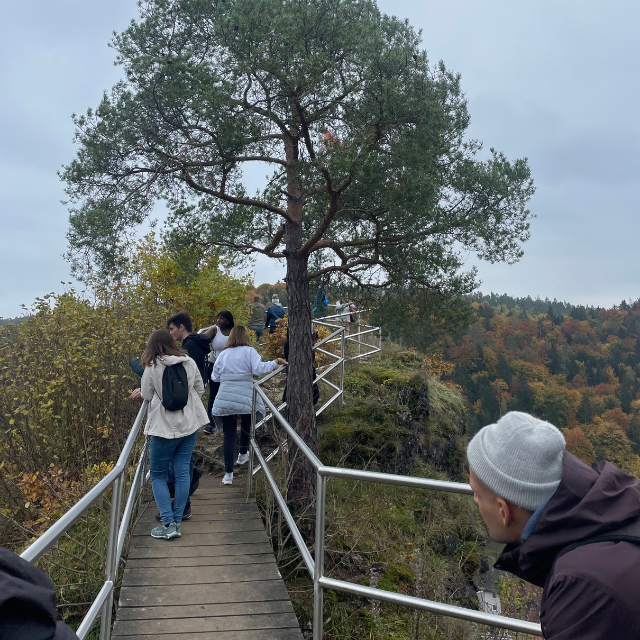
316,567
102,606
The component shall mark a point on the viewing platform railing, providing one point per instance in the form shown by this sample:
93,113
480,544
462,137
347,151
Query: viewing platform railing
340,333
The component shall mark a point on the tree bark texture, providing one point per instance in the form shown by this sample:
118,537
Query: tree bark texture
301,411
300,382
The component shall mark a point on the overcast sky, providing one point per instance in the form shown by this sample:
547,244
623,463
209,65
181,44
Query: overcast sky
556,82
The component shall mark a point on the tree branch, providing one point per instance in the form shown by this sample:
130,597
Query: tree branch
234,199
276,240
334,194
258,159
246,249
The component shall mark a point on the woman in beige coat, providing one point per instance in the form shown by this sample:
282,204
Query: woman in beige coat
173,433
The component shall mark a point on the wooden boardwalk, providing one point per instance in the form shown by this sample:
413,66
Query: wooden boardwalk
219,581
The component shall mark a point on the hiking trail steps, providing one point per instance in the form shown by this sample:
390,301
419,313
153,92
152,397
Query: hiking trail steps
219,581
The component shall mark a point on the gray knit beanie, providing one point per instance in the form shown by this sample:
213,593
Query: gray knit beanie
519,458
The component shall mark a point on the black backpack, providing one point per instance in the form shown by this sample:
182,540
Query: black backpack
175,387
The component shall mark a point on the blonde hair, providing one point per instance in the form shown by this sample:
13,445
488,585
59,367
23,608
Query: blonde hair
239,337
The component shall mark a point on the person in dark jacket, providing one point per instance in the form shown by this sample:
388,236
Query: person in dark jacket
197,345
570,529
28,602
274,313
257,318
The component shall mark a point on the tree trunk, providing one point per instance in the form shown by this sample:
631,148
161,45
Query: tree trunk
301,411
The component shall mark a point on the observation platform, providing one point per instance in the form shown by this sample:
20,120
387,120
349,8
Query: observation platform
219,581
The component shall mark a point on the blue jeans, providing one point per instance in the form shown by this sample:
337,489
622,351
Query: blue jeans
162,452
172,482
257,329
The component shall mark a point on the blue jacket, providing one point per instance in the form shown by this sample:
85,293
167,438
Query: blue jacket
274,312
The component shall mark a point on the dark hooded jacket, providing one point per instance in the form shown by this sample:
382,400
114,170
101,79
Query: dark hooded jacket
28,602
198,346
593,591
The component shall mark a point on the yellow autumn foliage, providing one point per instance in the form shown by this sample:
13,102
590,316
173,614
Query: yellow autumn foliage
65,379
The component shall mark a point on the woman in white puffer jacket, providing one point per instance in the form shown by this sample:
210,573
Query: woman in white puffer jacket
234,369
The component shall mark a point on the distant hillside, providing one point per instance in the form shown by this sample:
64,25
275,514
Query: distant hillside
13,320
575,366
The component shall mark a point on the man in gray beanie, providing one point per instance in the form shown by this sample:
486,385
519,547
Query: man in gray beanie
569,528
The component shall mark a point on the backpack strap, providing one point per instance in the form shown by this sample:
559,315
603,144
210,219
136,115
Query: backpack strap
627,533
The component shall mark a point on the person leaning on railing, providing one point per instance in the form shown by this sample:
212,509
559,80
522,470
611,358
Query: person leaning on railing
234,370
569,528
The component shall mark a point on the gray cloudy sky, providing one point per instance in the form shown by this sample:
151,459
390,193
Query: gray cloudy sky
554,81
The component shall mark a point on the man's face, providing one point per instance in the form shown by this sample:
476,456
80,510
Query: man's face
493,510
178,333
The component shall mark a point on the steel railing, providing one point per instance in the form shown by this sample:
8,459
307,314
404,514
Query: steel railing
102,606
315,564
339,333
357,338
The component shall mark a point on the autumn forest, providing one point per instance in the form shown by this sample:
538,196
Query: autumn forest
575,366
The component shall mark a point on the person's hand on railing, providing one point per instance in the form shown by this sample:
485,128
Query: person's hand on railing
135,394
280,361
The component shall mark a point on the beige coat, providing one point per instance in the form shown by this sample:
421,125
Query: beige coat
173,424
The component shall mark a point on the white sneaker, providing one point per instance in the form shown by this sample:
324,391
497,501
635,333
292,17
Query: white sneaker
242,458
228,478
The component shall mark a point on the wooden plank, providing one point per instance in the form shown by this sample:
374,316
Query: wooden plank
226,507
199,561
204,539
200,575
204,610
211,624
199,516
256,591
190,528
204,490
219,581
169,550
197,499
260,634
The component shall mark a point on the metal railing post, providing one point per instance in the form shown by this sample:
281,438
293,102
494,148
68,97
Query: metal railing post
111,563
254,399
343,353
143,475
318,591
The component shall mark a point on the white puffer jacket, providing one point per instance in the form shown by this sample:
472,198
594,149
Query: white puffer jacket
173,424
